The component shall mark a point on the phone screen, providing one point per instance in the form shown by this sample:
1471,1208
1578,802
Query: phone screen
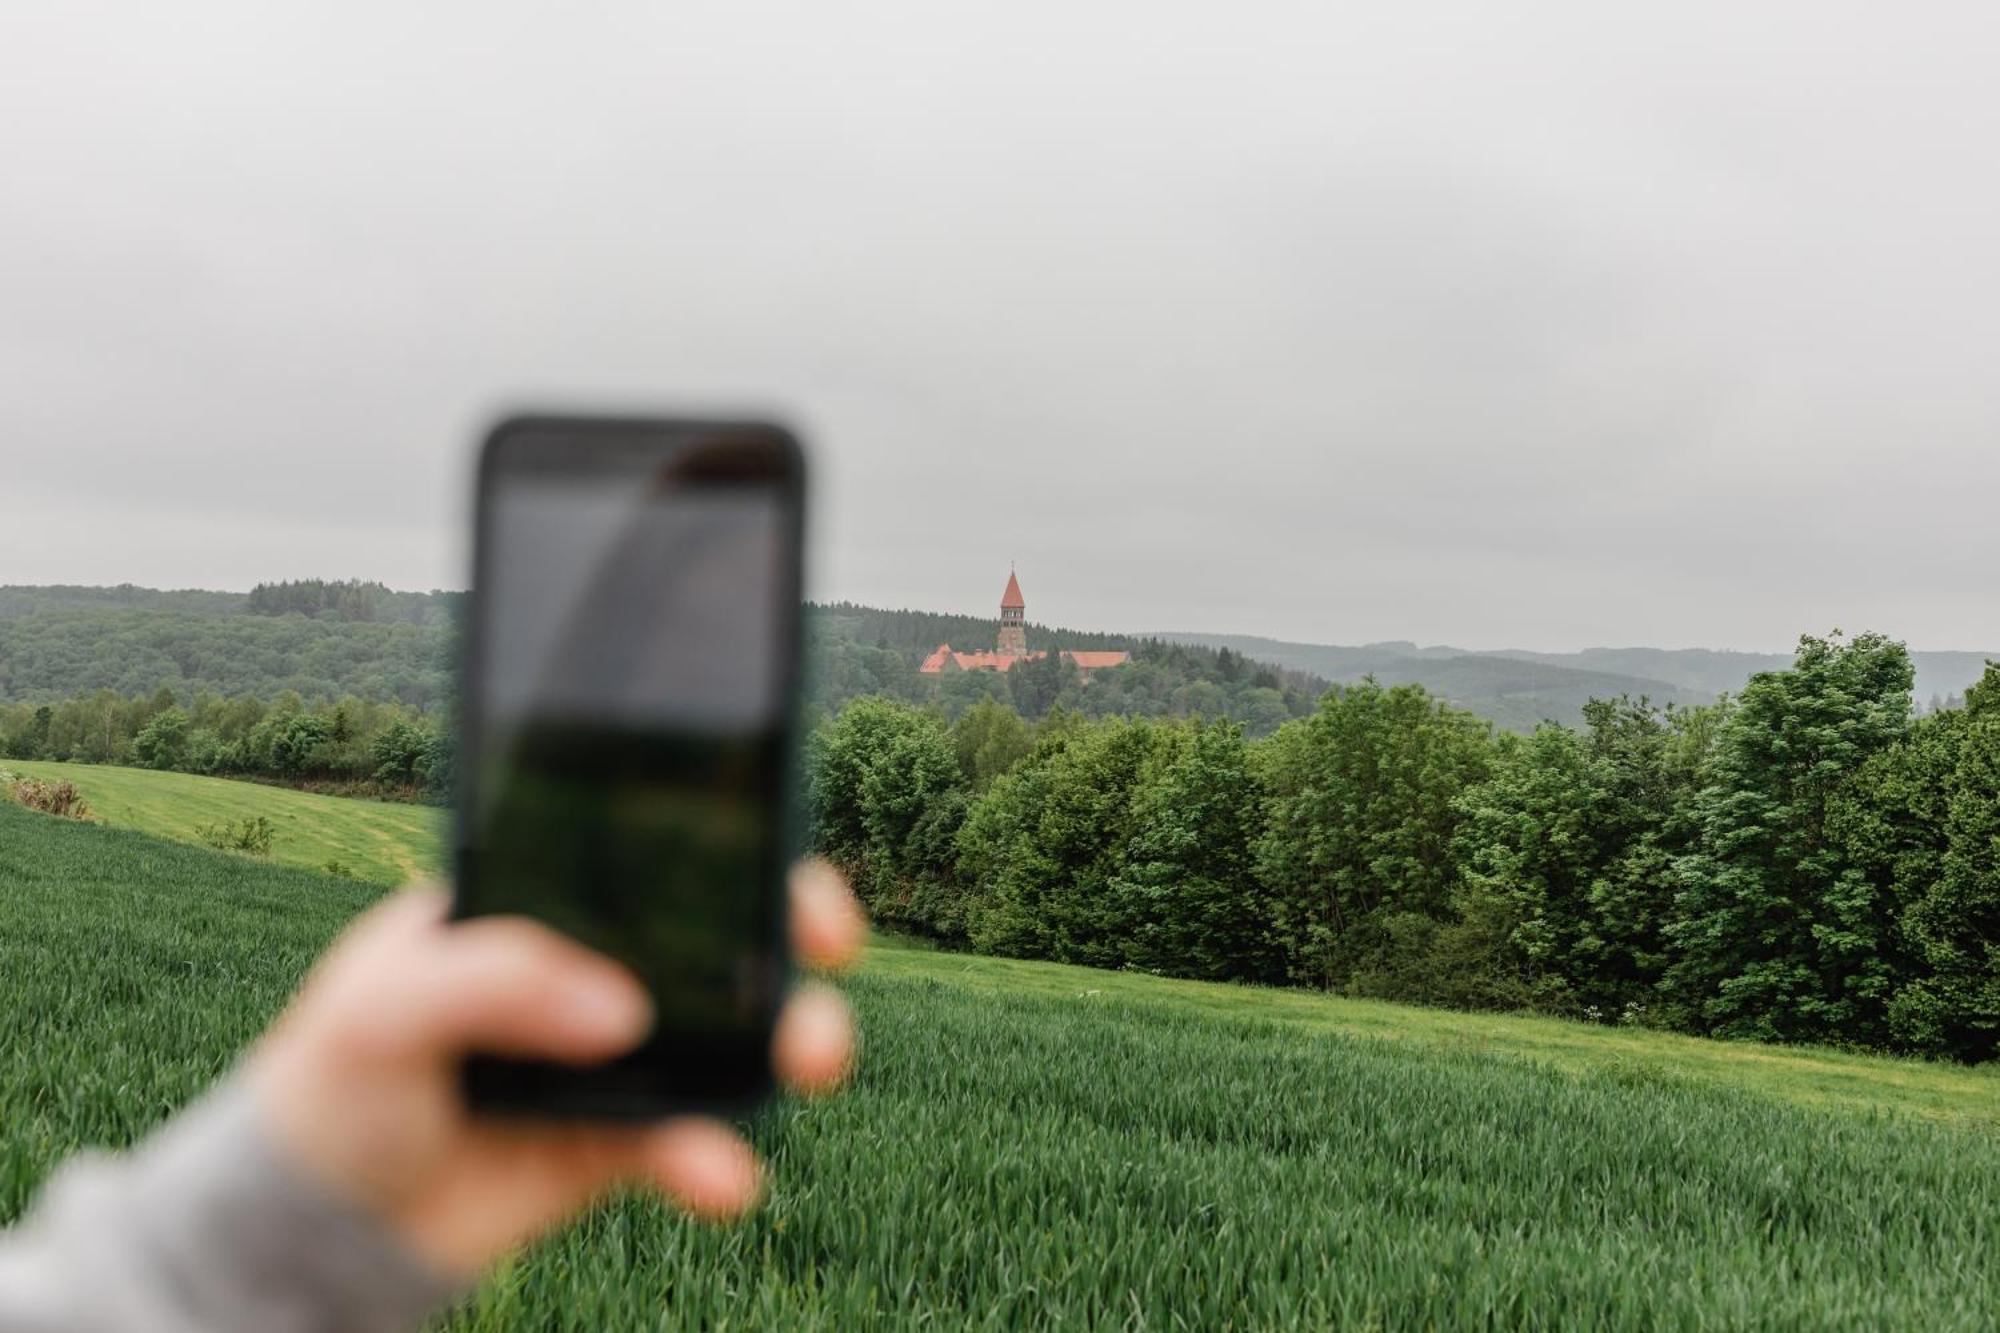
629,739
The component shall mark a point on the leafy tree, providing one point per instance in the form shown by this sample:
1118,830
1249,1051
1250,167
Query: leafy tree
1189,890
400,754
163,741
1362,801
886,798
1953,920
1041,850
1037,682
1775,940
1534,844
990,739
295,743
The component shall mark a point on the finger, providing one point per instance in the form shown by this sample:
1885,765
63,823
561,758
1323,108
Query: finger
812,1049
705,1167
827,923
510,986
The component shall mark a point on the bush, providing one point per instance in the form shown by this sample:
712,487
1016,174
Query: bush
52,796
252,835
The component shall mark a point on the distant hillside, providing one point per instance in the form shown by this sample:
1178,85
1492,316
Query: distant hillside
1518,688
1940,675
858,650
328,640
318,638
333,638
356,601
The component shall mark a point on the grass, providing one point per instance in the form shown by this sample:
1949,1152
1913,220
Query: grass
1810,1077
378,841
1030,1145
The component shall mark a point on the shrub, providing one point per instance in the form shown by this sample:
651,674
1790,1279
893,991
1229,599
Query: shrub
52,796
252,835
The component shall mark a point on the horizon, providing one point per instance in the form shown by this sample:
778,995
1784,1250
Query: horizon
1155,633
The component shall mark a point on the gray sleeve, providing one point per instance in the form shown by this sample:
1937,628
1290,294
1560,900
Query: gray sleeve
206,1227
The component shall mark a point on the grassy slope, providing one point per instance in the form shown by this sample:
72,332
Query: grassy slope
1810,1077
378,841
1034,1144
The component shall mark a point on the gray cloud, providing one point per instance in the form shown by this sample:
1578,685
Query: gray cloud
1537,326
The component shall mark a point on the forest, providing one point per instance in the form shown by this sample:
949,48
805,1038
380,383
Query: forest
349,685
1810,860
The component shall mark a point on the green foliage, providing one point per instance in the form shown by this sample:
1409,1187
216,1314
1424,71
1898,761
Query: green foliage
356,744
858,652
886,797
1188,891
252,835
386,843
1221,1156
1774,938
1950,876
1363,801
1801,864
1042,850
1568,856
58,654
163,741
353,600
989,739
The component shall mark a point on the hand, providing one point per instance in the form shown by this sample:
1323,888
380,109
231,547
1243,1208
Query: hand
359,1080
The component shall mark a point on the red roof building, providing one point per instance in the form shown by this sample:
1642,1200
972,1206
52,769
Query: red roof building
1012,645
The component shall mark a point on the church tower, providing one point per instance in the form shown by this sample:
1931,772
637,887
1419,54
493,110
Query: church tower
1013,620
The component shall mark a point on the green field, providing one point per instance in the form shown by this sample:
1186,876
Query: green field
378,841
1036,1145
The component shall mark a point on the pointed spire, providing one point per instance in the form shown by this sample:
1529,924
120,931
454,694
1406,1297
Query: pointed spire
1012,597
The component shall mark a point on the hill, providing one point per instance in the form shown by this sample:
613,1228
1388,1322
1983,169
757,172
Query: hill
383,843
333,639
326,641
1032,1145
316,638
1517,688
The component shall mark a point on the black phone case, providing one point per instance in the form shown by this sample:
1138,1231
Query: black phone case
494,1085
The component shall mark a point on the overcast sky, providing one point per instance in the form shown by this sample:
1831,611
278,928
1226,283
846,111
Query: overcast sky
1497,325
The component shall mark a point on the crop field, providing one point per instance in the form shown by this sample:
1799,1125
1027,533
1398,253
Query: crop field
378,841
1030,1145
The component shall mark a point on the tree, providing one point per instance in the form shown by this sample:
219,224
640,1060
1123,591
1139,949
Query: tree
163,741
1953,921
1362,807
886,796
1189,888
1775,940
1534,844
1036,682
400,754
296,743
1040,851
989,739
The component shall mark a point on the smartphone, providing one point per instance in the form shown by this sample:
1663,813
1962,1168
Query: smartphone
629,737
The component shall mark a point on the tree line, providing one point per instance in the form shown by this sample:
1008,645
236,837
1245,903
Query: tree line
357,746
1809,861
1162,680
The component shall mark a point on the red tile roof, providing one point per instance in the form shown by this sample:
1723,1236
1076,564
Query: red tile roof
1090,660
1012,597
986,660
